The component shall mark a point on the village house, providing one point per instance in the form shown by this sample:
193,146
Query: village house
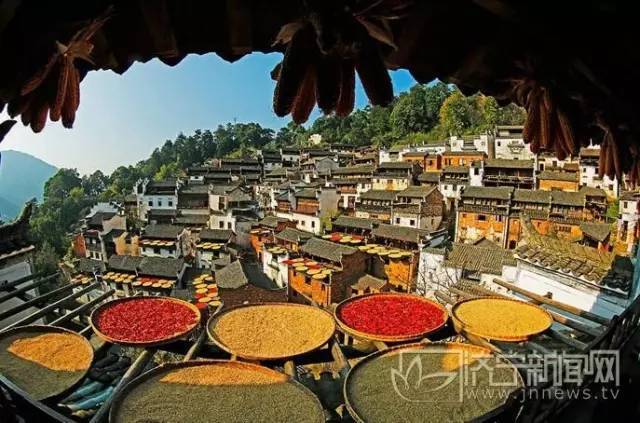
515,173
596,203
162,240
264,231
270,159
290,156
426,161
210,245
350,182
401,269
577,275
309,206
390,155
376,204
316,167
157,200
589,172
500,215
160,270
482,212
452,181
395,176
292,239
461,158
548,161
477,264
347,265
280,174
240,283
349,191
233,207
549,180
510,145
193,206
95,240
429,178
353,225
628,230
366,158
418,207
465,143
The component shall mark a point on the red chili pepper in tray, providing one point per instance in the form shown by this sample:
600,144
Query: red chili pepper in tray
145,320
391,316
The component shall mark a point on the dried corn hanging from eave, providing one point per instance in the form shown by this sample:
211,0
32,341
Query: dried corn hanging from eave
317,70
550,127
54,91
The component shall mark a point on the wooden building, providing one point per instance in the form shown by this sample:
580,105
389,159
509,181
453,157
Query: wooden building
348,264
462,158
549,180
504,172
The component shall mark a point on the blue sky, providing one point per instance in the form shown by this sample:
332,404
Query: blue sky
122,118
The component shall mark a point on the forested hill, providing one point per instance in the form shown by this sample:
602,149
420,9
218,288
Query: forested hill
425,113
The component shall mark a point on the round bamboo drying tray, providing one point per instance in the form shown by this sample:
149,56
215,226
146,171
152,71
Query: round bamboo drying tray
313,408
344,327
468,350
250,354
141,344
64,388
545,320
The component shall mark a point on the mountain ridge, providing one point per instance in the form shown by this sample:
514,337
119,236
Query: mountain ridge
22,177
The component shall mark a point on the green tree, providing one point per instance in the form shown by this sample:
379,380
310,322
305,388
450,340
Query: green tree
46,259
168,170
60,184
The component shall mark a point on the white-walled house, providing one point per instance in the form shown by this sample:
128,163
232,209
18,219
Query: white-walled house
589,175
481,143
580,276
509,144
308,206
157,196
629,210
440,268
163,240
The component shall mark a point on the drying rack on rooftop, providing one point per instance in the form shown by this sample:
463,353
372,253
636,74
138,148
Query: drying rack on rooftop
61,308
322,370
574,331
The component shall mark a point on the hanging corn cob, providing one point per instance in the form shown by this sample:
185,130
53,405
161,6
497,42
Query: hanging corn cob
54,91
323,53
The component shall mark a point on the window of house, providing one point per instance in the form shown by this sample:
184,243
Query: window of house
412,222
610,187
476,171
156,250
221,224
170,203
564,228
228,225
150,203
313,224
584,169
397,220
482,217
